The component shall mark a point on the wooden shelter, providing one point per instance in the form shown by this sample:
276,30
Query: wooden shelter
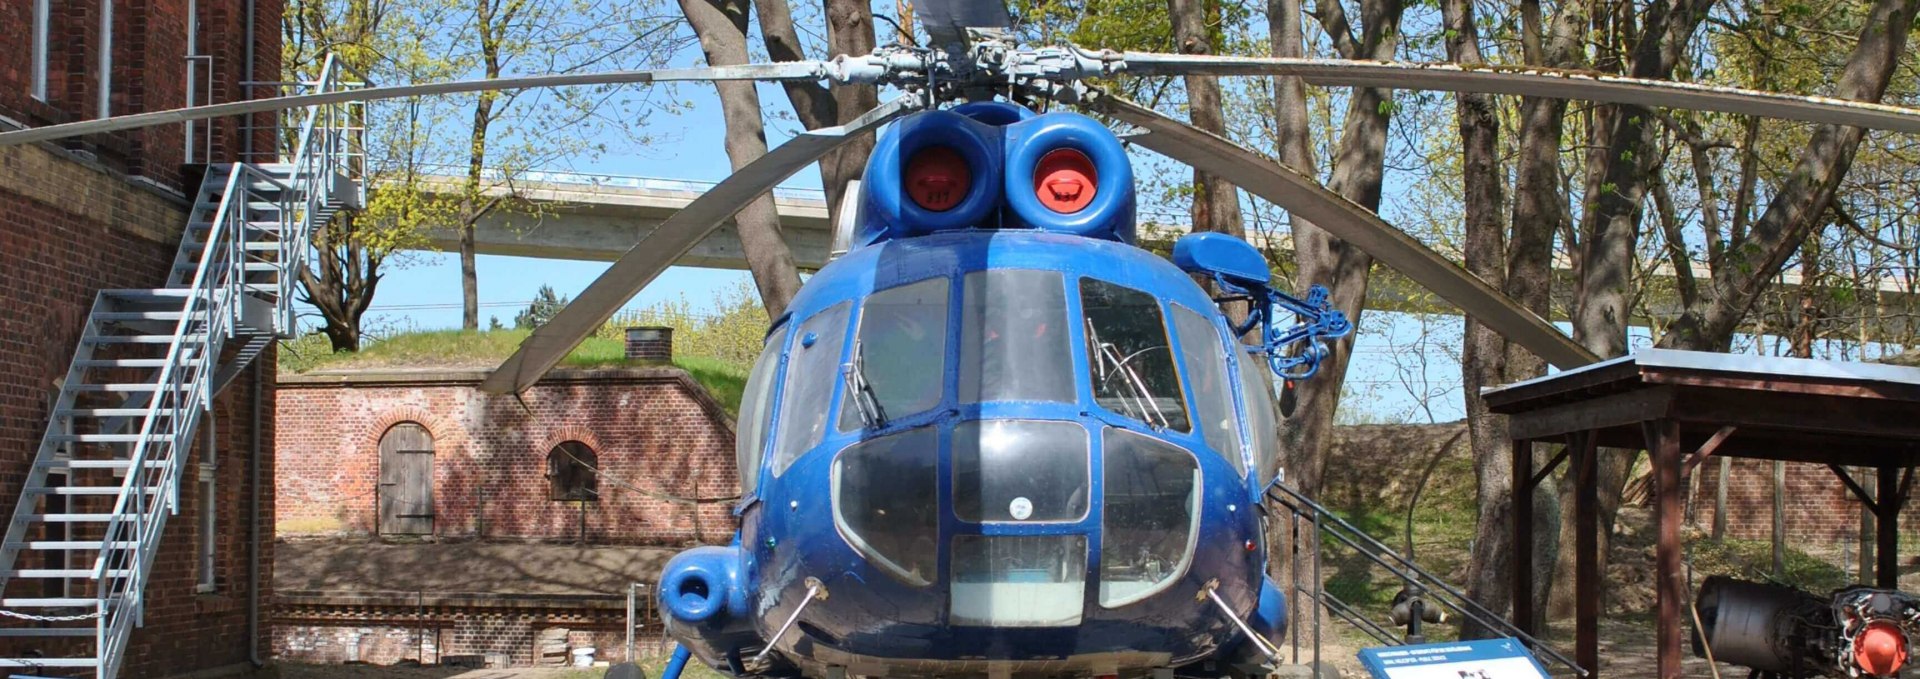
1682,407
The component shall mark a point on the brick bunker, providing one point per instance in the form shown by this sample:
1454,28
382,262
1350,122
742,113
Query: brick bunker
408,501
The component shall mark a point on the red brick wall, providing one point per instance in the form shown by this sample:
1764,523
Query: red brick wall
148,74
659,438
68,229
1820,511
510,638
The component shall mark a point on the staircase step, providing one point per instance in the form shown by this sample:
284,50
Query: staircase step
103,464
69,518
110,412
46,573
251,267
137,315
71,545
122,363
84,490
140,339
150,295
107,438
124,386
47,632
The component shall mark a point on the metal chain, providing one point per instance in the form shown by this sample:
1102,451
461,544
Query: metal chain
50,618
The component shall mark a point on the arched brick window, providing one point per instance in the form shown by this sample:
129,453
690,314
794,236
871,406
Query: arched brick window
572,472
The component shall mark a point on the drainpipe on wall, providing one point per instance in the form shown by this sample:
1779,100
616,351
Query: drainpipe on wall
246,92
253,520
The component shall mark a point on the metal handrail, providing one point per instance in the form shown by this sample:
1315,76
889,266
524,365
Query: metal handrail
1330,524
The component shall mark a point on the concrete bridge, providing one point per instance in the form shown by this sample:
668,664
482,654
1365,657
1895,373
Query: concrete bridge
598,217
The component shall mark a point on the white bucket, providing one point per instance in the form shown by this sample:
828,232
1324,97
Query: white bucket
583,657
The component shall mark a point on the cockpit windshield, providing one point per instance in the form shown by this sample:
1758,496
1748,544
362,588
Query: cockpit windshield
1013,337
1129,356
901,354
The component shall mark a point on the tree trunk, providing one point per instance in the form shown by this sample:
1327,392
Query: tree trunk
1216,203
1619,166
1358,172
476,166
722,28
1484,352
849,31
1802,198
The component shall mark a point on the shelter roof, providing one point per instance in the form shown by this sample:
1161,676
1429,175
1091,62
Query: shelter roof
1832,412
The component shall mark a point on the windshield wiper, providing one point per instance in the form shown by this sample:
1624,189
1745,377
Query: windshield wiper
864,399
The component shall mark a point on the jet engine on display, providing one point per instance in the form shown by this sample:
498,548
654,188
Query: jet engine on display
1783,632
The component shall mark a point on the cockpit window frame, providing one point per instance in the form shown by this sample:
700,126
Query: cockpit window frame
837,341
1167,333
1213,352
774,361
846,419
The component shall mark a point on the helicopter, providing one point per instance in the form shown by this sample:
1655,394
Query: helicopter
994,437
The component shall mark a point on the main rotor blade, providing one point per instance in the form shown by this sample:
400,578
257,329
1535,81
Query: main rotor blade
947,21
1307,199
793,70
1537,82
670,241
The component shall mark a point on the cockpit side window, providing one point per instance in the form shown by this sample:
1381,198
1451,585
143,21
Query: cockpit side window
1013,337
1129,356
813,368
755,407
1203,355
1256,383
901,359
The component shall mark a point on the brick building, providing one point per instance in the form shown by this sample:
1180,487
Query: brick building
107,211
424,520
637,456
1820,512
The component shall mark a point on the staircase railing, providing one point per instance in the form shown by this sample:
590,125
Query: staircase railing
323,157
1428,588
150,492
327,148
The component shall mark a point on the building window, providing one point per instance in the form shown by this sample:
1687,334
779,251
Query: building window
573,472
42,20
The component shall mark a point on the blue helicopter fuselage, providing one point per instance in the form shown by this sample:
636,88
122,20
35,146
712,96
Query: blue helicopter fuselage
995,441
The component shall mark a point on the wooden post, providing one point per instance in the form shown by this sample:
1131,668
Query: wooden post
1887,551
1523,537
1586,552
1669,576
1720,500
1779,519
1867,535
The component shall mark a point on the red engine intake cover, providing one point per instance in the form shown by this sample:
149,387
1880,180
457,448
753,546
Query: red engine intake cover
1881,649
1065,181
937,178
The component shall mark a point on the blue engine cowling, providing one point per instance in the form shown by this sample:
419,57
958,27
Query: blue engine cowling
703,601
1002,145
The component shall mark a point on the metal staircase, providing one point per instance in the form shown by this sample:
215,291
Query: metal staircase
78,552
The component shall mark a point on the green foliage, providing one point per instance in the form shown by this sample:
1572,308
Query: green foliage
733,333
468,349
545,305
